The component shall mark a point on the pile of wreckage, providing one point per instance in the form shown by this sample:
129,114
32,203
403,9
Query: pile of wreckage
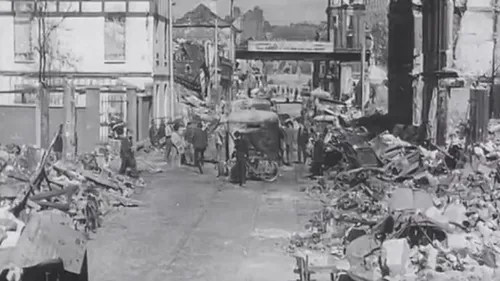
49,208
393,210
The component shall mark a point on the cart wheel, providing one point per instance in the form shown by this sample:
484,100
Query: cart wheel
271,171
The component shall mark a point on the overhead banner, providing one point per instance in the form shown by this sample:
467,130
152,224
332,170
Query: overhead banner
290,46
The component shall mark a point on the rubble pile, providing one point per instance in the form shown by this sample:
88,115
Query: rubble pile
85,190
417,213
46,206
107,158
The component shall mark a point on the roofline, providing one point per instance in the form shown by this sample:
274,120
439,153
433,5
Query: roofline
223,26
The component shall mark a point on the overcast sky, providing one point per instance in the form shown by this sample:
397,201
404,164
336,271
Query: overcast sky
277,12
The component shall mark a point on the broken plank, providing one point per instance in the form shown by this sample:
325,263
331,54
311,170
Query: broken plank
59,206
127,202
100,180
53,193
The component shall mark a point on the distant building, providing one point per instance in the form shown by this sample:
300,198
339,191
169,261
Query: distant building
197,26
252,25
345,30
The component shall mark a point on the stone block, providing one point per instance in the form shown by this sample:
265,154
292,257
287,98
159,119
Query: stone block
396,256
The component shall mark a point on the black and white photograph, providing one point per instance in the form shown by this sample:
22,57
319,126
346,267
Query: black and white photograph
258,140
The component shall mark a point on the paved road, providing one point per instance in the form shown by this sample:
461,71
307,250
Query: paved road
194,227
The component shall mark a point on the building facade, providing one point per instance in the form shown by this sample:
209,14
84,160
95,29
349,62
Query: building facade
91,42
345,30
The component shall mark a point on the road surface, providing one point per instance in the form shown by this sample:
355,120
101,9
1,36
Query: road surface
195,227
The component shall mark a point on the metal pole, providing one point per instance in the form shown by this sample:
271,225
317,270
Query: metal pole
495,87
172,95
363,63
233,62
216,61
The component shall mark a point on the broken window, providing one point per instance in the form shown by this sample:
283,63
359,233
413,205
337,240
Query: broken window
114,38
350,22
350,40
23,32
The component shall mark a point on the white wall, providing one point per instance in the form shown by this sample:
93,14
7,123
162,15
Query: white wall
475,44
83,39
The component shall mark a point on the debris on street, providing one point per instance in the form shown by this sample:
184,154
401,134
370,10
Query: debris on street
47,205
396,210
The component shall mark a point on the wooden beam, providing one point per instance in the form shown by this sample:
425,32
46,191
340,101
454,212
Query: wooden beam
42,118
69,147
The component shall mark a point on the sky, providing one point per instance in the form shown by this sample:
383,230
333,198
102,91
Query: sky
277,12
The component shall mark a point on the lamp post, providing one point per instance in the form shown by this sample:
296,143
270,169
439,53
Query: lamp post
172,96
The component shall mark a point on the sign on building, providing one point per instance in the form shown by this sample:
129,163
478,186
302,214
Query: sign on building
290,46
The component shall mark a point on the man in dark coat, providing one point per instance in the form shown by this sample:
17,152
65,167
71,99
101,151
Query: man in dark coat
160,134
127,156
288,139
200,143
241,147
318,156
58,144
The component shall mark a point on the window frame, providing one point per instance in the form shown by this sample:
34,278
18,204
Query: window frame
24,19
116,18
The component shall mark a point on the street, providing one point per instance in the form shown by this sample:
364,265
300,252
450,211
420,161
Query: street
196,227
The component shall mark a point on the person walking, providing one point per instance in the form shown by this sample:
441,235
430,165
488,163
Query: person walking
302,140
288,139
178,144
318,156
187,158
127,156
200,143
167,144
58,144
241,147
152,133
219,142
160,134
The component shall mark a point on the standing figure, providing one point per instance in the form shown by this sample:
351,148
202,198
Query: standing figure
152,133
127,156
160,134
187,159
58,144
168,142
241,147
318,156
200,143
302,140
219,143
288,138
178,144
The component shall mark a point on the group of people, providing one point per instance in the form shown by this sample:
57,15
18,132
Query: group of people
182,146
307,141
295,136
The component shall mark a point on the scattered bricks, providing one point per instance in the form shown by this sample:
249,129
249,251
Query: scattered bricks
456,213
457,241
396,256
432,255
436,215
